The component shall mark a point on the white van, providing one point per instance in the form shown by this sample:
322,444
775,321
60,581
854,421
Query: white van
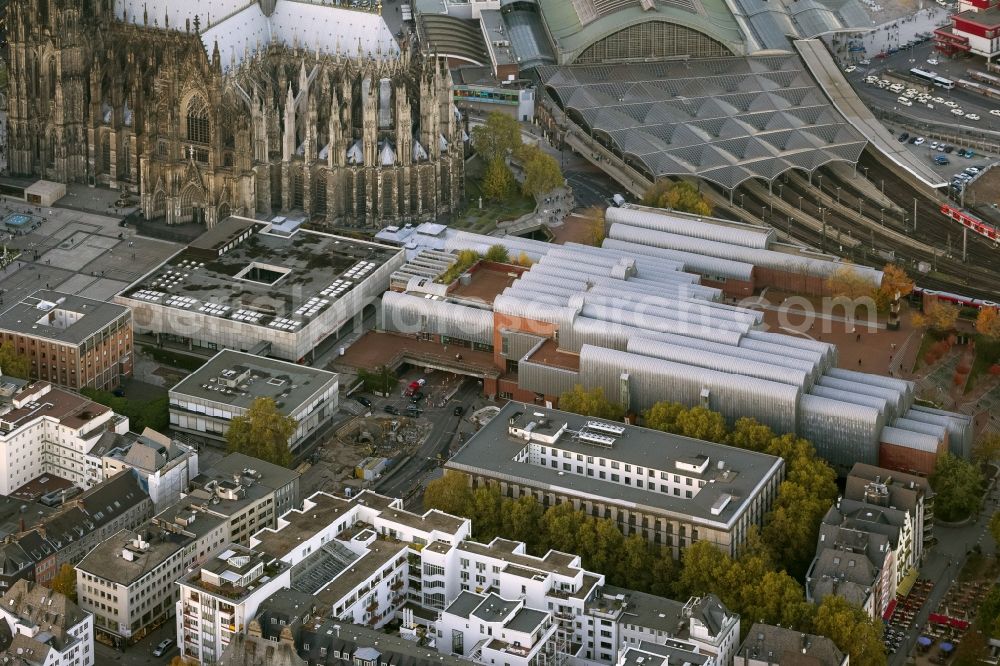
897,87
618,200
905,101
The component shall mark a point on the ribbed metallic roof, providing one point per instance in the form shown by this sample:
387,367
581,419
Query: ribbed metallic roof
726,120
661,220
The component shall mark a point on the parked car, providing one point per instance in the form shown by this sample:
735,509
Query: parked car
972,116
850,69
934,145
948,148
363,400
864,62
162,647
995,112
417,397
391,409
942,160
919,141
458,411
903,137
933,61
413,411
958,112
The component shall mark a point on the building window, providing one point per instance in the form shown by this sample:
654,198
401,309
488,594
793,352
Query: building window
197,121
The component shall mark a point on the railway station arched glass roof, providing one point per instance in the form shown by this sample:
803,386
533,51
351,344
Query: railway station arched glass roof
726,120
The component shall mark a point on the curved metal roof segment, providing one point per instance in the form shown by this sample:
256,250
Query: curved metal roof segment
726,120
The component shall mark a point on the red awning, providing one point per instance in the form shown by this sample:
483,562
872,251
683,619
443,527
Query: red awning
889,609
937,618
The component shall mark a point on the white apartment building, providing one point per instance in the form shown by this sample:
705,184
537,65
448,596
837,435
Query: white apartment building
48,430
128,581
665,654
364,558
47,627
492,630
218,601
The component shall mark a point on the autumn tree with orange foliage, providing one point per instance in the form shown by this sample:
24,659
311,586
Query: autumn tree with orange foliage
988,323
938,316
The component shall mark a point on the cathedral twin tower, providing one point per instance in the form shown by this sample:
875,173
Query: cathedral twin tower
369,138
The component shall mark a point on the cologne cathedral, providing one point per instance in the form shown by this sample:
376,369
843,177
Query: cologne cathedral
206,108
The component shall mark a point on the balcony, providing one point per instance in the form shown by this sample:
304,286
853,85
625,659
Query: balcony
396,585
372,607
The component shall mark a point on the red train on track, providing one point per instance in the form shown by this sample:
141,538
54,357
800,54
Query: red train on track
972,222
957,299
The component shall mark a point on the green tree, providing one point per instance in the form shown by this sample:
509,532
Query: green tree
13,364
541,171
450,493
663,415
498,182
560,526
987,449
958,487
520,520
142,414
380,380
596,228
262,432
995,527
851,629
681,196
748,433
701,423
485,512
792,527
591,403
497,253
989,612
497,137
706,568
64,582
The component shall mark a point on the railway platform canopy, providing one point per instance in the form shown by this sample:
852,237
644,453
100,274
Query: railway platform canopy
826,71
726,120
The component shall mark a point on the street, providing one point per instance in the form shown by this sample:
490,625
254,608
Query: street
943,563
407,474
141,653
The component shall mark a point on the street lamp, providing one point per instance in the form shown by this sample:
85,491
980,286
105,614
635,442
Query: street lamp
882,211
860,201
838,195
742,194
781,186
866,172
800,203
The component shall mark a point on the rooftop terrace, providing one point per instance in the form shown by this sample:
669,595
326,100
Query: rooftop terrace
264,279
237,379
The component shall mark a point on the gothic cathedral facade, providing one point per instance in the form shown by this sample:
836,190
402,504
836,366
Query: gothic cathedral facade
364,139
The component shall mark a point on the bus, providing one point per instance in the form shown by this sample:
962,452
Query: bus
933,78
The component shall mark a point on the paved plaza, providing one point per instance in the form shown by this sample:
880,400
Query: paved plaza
77,252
